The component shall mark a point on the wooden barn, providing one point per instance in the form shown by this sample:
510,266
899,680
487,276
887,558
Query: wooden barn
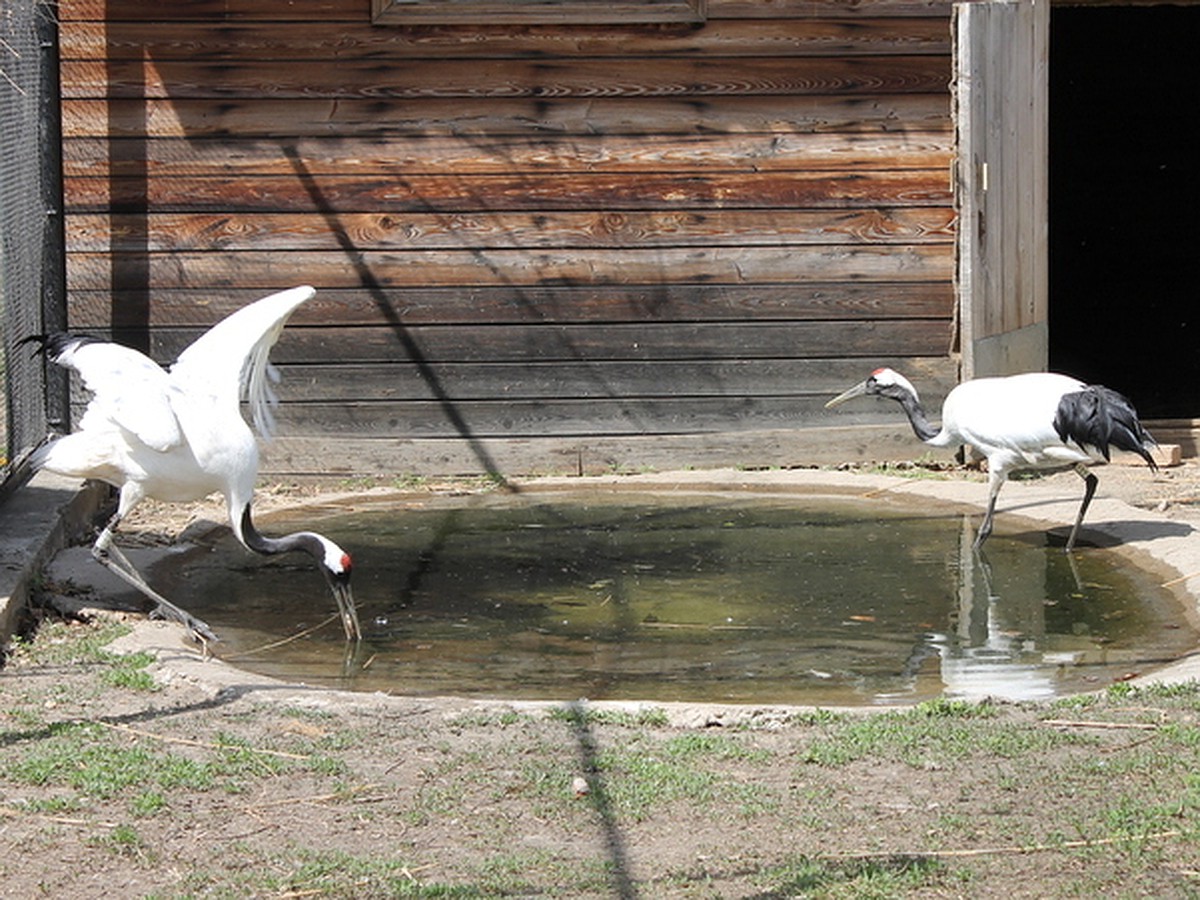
571,236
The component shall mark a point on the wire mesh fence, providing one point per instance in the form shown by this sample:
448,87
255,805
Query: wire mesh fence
32,281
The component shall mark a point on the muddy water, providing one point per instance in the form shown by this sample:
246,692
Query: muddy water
711,597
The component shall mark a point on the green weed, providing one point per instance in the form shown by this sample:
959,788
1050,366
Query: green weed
868,879
148,803
489,718
128,672
936,732
91,762
643,775
643,717
124,840
60,643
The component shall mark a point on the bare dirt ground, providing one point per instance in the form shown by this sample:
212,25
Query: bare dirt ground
133,776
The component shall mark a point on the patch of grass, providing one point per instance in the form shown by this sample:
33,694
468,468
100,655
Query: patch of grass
856,740
1184,695
1077,702
1185,736
127,671
816,717
645,771
529,873
95,764
643,775
52,805
867,879
360,483
632,776
148,803
643,717
240,760
444,784
303,872
693,745
26,717
330,766
62,643
489,718
308,713
931,734
944,708
293,871
1133,817
327,873
124,840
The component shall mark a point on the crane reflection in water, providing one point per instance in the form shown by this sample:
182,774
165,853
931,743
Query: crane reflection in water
1018,630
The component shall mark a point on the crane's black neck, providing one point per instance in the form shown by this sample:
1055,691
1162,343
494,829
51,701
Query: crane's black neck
913,409
260,543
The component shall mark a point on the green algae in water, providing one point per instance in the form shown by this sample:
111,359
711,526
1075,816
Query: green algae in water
687,597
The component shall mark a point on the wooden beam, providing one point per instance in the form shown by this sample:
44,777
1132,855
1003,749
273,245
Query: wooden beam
394,457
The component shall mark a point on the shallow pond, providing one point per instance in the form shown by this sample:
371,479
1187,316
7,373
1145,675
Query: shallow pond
702,597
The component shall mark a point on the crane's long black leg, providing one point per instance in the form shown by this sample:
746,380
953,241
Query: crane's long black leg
119,565
1089,489
105,552
995,483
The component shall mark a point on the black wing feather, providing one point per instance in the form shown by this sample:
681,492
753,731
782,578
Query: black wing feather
1097,417
53,345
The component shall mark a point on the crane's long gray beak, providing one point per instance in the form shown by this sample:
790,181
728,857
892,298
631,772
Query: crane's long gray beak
345,604
857,391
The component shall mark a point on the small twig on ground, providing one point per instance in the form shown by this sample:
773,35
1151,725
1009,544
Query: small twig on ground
1068,723
1179,580
1000,851
57,820
242,835
406,871
207,744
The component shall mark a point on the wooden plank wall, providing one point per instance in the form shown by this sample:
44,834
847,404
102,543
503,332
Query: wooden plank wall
537,248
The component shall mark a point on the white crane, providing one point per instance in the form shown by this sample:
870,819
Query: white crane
1038,420
179,435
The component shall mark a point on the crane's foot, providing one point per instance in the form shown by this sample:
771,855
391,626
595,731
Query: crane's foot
197,628
110,556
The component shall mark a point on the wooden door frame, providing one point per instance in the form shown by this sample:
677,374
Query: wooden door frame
1001,102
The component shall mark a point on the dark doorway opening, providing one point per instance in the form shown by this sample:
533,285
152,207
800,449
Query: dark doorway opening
1125,202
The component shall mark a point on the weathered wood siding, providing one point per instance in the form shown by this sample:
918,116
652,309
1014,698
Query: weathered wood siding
551,247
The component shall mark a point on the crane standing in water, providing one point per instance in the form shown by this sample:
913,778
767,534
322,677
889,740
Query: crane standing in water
1038,420
179,435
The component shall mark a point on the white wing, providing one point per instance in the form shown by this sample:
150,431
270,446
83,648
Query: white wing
229,361
1014,414
128,389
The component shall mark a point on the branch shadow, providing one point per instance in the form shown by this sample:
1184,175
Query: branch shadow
600,798
405,339
149,714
